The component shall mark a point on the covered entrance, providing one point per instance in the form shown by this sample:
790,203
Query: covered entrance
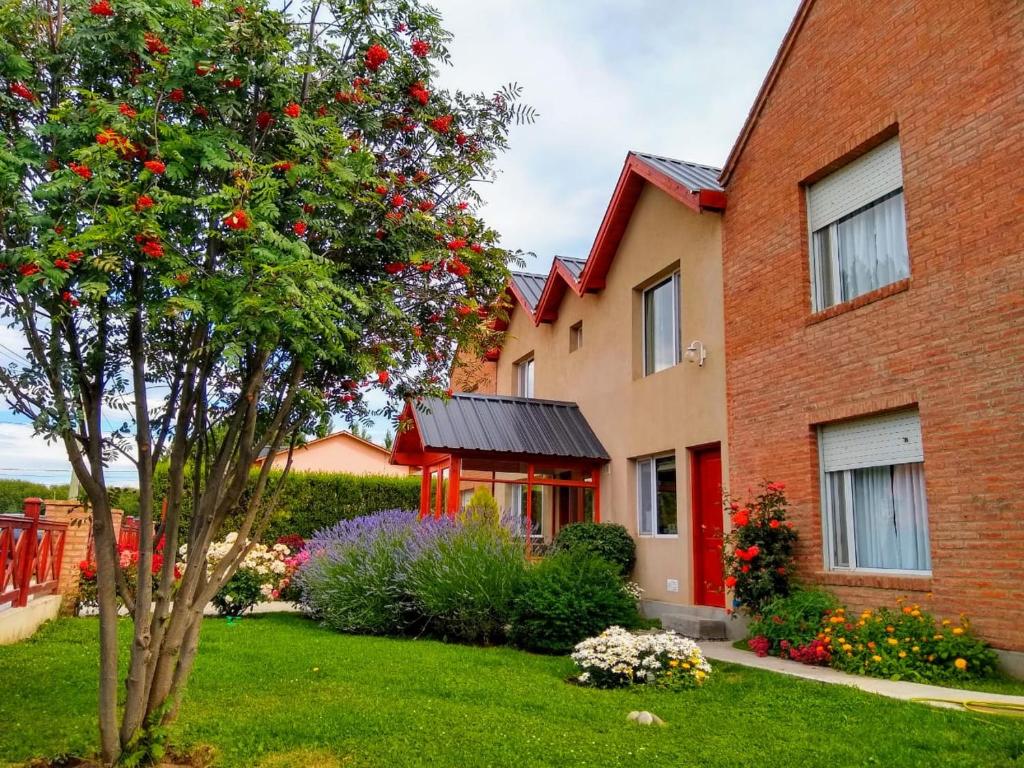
539,459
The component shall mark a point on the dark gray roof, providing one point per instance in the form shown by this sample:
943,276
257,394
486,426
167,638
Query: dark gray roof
514,425
693,176
530,286
575,266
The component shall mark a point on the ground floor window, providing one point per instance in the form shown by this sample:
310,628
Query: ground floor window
876,513
656,496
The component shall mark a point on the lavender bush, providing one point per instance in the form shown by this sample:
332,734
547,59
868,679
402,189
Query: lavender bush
354,580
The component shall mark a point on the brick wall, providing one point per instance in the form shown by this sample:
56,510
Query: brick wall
948,77
76,543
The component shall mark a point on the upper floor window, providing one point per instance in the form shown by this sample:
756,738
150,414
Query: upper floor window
661,325
858,230
524,377
576,336
875,511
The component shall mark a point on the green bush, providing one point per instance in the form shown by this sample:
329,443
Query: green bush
796,619
568,597
14,492
313,501
609,541
462,587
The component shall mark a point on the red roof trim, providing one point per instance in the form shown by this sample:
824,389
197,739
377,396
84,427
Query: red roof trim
766,87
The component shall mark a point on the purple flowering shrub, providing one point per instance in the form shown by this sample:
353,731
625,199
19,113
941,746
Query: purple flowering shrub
392,573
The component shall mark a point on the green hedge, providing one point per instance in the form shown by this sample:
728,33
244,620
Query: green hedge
14,492
315,500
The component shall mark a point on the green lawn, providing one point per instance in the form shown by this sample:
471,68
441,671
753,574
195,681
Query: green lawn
279,691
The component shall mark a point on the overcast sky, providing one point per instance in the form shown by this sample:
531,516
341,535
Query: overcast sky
671,77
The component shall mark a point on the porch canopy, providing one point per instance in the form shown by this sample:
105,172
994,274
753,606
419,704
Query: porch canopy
472,438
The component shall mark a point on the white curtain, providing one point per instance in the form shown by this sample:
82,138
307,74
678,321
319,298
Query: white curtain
873,247
890,517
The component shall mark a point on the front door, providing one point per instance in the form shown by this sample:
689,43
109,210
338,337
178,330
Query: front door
708,577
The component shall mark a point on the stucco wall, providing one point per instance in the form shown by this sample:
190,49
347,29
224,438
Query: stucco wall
340,454
672,410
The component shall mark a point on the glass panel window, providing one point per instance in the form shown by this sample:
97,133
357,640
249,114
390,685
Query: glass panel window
524,378
576,336
878,518
861,252
661,325
518,494
656,496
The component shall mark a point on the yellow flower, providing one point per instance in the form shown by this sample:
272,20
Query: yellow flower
841,640
903,654
673,663
876,658
945,622
893,641
847,648
700,675
916,648
960,664
685,665
939,637
915,612
958,630
890,628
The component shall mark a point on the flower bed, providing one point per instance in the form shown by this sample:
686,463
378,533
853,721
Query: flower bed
617,658
902,643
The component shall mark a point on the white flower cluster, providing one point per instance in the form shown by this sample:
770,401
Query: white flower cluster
266,562
633,589
618,657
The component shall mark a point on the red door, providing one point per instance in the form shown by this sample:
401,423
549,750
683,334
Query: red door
706,477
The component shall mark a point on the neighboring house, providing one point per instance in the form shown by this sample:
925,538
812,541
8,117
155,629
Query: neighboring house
874,302
610,335
339,452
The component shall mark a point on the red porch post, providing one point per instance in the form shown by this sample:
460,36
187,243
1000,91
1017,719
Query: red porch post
425,475
453,486
529,508
595,478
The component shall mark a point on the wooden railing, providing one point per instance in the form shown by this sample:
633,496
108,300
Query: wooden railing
31,552
128,536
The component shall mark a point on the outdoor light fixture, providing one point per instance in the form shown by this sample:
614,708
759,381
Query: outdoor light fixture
696,353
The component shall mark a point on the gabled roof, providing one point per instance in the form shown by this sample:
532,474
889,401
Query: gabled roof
694,185
333,436
469,425
766,87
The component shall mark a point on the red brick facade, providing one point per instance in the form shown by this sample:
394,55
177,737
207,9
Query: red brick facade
949,77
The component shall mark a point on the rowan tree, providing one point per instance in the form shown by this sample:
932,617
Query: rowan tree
222,223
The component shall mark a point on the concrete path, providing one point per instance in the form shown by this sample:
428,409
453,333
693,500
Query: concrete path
720,650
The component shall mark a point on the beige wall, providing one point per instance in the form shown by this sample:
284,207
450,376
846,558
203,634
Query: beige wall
340,453
634,416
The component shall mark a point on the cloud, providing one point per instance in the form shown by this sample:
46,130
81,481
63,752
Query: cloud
26,456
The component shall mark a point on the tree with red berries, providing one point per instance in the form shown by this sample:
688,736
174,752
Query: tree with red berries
222,224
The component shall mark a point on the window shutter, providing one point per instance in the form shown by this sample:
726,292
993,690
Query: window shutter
863,181
874,441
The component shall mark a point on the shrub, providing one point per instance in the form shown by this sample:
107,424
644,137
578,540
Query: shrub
568,597
758,551
258,579
354,579
618,658
790,622
482,508
462,586
906,643
14,492
608,541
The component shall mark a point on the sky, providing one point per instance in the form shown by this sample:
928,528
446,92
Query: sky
670,77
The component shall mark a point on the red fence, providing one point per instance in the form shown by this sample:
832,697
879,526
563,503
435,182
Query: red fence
128,536
31,551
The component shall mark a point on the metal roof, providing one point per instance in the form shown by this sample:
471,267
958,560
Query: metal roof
575,266
513,425
530,286
693,176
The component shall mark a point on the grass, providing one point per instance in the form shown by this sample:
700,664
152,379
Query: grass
998,683
277,691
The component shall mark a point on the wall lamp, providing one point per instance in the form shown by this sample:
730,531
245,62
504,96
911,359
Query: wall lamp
696,353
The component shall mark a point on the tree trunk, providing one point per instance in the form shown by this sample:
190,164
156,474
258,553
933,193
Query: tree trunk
106,595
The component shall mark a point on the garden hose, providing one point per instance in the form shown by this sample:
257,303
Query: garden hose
985,707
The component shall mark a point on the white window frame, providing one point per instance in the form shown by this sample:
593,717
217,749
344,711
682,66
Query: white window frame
677,314
576,336
651,461
828,539
525,368
840,215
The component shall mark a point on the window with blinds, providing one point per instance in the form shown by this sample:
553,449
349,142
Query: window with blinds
858,228
873,489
